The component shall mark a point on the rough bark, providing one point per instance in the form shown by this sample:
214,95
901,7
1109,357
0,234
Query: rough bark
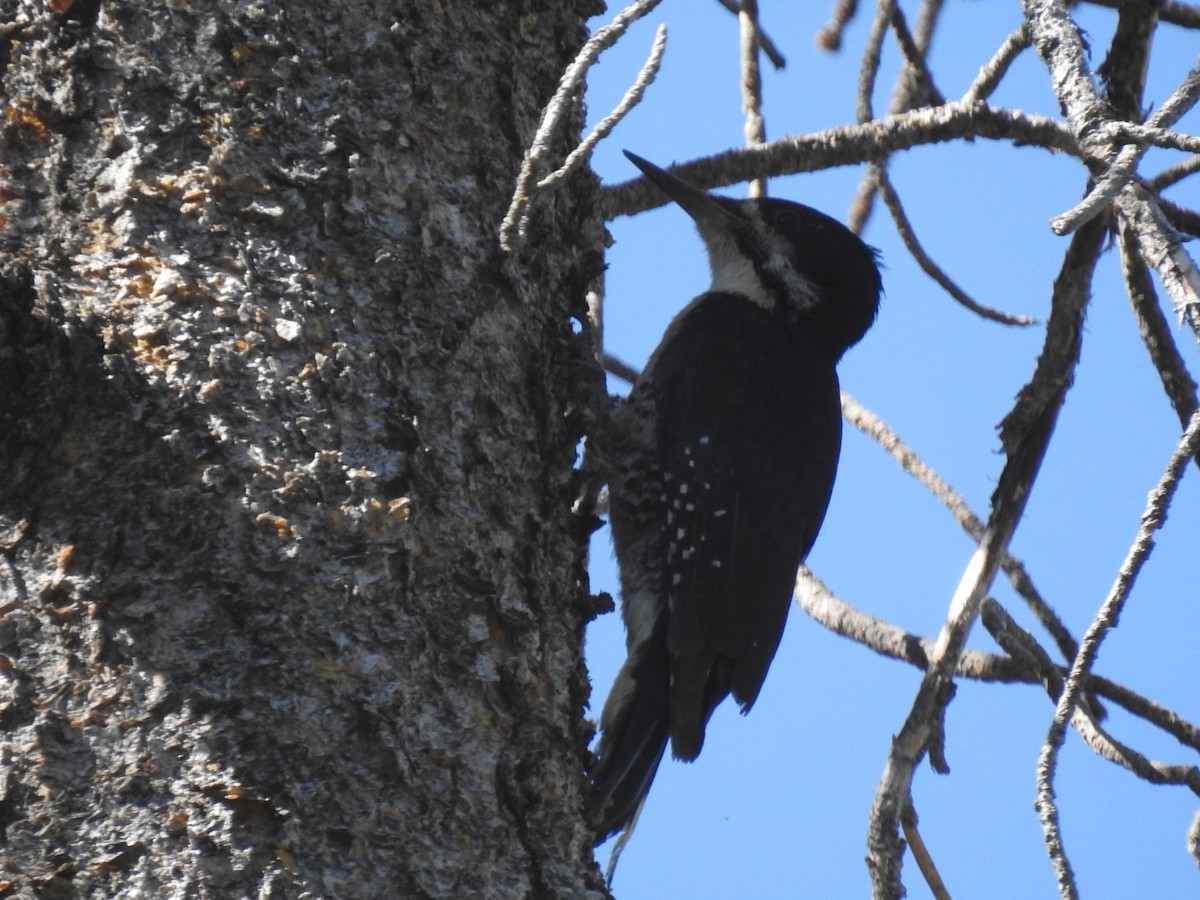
292,594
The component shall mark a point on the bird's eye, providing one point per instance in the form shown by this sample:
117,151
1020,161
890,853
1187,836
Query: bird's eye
786,219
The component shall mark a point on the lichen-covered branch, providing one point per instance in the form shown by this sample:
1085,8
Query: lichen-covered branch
1106,618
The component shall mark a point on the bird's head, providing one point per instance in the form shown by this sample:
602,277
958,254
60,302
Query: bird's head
787,257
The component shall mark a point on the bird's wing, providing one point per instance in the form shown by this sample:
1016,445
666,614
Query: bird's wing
748,450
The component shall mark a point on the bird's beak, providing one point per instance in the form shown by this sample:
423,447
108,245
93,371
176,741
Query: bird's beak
705,209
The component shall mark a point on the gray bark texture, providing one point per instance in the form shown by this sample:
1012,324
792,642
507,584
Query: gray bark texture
292,597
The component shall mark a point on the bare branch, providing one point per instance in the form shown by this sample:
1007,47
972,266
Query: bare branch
1162,249
993,72
1062,49
1180,14
1027,663
916,87
566,96
830,35
849,145
609,363
1180,218
755,129
632,97
1025,435
1179,103
927,16
614,365
1152,519
770,51
1108,748
892,201
1146,136
863,203
869,67
921,854
1176,380
1023,647
1102,195
834,613
1120,171
1174,174
875,428
1168,720
1125,67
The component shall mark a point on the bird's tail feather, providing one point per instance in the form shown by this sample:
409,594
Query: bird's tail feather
634,729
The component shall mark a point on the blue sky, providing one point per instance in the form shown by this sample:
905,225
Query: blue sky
777,804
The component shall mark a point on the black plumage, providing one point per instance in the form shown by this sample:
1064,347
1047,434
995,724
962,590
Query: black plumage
721,465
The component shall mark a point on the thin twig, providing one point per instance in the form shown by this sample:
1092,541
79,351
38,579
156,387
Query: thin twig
1176,380
892,201
927,17
1108,748
1174,174
863,203
616,366
878,430
1025,435
921,854
864,198
770,51
996,68
910,461
1168,720
1148,135
1023,647
1152,519
1181,219
1120,170
914,88
632,97
869,67
608,362
829,36
832,612
917,87
566,97
1024,667
755,129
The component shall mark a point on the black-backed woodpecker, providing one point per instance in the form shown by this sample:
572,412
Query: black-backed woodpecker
720,467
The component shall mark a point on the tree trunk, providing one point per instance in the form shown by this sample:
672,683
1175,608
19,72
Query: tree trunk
292,595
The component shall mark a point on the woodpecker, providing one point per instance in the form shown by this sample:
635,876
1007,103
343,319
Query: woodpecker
720,466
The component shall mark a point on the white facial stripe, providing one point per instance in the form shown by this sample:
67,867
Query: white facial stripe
734,273
779,260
